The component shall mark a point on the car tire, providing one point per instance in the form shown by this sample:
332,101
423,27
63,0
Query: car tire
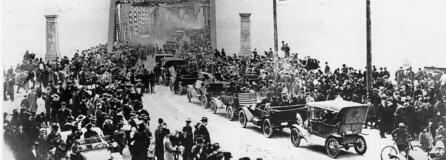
203,101
295,137
360,146
332,147
267,128
242,119
230,113
189,97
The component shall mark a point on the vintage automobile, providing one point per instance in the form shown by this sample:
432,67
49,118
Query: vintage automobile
91,148
231,103
271,118
188,79
170,47
204,90
339,122
159,57
168,62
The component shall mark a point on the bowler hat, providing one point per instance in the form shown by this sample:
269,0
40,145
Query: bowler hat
204,119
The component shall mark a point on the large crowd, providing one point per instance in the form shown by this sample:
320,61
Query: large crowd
94,94
414,98
99,94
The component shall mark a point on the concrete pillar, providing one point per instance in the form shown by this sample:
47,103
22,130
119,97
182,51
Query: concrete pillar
111,25
52,38
213,24
245,34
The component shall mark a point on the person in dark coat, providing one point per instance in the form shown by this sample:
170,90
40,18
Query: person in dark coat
141,143
385,117
11,83
73,136
202,132
188,140
119,137
5,90
25,103
90,133
63,114
159,149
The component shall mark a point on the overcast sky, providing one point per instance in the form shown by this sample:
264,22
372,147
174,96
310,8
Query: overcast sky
334,31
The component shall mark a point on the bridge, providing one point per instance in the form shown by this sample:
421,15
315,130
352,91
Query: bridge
148,22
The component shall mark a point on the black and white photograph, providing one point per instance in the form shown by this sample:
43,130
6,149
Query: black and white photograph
223,79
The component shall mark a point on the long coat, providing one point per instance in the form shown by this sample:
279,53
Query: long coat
140,145
168,149
32,97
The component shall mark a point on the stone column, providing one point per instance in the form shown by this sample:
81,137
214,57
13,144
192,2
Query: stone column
111,26
52,38
245,34
213,23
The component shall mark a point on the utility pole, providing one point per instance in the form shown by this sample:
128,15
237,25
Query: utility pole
276,42
369,50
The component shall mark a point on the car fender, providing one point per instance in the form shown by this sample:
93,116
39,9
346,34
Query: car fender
336,135
248,114
191,89
217,102
303,132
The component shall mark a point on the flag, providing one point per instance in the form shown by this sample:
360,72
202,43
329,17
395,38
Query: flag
247,98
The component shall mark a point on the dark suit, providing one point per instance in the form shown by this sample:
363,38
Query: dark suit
202,132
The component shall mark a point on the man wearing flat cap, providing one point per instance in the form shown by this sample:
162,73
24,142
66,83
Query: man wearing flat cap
202,132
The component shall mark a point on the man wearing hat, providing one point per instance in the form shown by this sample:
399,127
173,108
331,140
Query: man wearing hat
402,137
188,140
63,114
202,132
53,137
25,102
159,149
119,136
55,105
73,136
90,132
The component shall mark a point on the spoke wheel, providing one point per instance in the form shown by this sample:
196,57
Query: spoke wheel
268,130
360,146
203,101
230,113
242,119
389,153
295,137
332,147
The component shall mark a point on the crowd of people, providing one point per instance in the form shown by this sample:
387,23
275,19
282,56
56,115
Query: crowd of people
414,98
95,94
103,90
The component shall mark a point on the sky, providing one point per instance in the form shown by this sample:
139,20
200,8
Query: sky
403,31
